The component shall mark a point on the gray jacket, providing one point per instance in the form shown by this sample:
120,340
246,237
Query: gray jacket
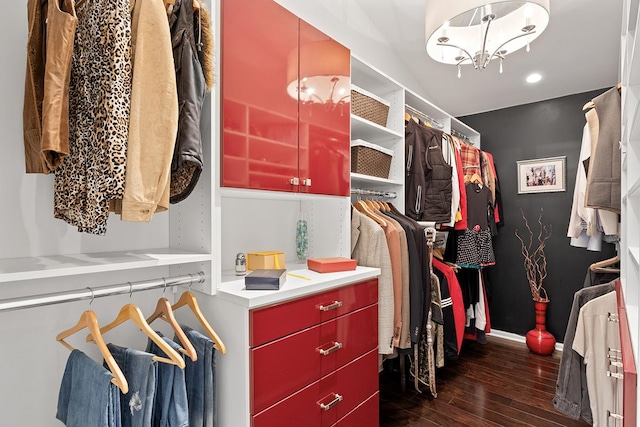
186,165
572,397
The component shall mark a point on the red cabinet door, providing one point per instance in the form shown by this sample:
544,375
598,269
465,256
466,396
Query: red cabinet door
260,119
269,323
324,93
365,415
329,399
284,366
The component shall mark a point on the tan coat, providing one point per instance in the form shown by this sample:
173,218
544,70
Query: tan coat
369,248
153,122
34,86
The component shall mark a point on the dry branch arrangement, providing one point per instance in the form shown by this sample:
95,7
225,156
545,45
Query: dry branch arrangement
535,262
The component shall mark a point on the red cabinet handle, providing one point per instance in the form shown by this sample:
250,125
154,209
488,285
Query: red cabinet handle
331,306
337,399
336,346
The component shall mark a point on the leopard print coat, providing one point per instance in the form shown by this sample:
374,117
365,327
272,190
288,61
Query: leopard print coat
99,98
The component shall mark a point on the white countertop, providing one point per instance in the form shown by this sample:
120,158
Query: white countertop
233,289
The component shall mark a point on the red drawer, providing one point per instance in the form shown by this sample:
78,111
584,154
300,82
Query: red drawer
365,415
340,392
270,323
286,365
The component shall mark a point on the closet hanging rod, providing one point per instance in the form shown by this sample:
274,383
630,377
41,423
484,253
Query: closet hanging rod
461,136
425,116
386,194
19,303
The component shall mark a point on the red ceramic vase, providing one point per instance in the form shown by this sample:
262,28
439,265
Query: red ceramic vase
539,340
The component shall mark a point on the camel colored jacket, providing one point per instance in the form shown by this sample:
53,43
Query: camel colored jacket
153,121
52,26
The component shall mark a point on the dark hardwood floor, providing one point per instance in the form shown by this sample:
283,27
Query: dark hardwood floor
499,383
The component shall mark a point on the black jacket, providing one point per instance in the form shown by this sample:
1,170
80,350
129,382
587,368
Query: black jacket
428,185
186,165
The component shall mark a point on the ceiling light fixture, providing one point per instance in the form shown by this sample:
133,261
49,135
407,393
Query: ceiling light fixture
318,73
473,32
534,78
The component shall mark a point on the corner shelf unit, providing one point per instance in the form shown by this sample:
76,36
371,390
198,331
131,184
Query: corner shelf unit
629,250
390,136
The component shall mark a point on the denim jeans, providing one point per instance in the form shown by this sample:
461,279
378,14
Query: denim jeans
87,397
170,408
200,377
139,369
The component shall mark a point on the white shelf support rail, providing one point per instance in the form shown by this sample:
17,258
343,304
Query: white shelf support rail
103,291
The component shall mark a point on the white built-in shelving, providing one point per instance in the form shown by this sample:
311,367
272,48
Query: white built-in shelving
630,179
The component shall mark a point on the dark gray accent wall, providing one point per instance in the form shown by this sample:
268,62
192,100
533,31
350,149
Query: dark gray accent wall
538,130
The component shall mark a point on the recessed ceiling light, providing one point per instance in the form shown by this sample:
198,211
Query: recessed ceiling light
534,78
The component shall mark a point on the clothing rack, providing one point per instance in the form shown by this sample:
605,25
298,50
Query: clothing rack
425,117
462,136
385,194
19,303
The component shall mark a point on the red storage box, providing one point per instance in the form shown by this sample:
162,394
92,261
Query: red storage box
331,265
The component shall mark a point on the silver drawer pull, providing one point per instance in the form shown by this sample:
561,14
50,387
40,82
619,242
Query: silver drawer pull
332,306
336,346
333,403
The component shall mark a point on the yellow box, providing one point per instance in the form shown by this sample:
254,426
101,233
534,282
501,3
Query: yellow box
267,260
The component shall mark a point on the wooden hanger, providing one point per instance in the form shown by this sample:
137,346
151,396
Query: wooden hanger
89,320
133,313
589,105
604,265
361,206
188,299
407,116
475,178
165,312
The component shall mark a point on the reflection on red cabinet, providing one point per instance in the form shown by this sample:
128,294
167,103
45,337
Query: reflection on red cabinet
271,136
325,117
329,399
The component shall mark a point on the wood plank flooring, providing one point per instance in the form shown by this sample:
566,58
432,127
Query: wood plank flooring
499,383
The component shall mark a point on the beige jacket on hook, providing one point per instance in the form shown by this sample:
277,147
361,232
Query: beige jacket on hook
154,114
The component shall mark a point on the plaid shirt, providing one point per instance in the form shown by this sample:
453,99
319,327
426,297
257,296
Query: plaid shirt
470,159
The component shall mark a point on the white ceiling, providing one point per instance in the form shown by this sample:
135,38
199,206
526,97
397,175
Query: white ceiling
578,52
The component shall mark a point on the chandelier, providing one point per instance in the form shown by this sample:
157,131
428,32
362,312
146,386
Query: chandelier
318,73
471,32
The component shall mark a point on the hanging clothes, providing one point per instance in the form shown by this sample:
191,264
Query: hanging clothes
139,368
572,396
187,162
34,86
87,398
369,248
428,187
99,98
458,308
461,223
413,303
200,380
595,335
153,122
170,406
603,179
475,248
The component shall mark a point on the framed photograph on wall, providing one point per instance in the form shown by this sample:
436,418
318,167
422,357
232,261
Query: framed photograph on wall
542,175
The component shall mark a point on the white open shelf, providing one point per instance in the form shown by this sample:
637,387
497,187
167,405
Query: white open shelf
360,179
43,267
370,131
635,254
